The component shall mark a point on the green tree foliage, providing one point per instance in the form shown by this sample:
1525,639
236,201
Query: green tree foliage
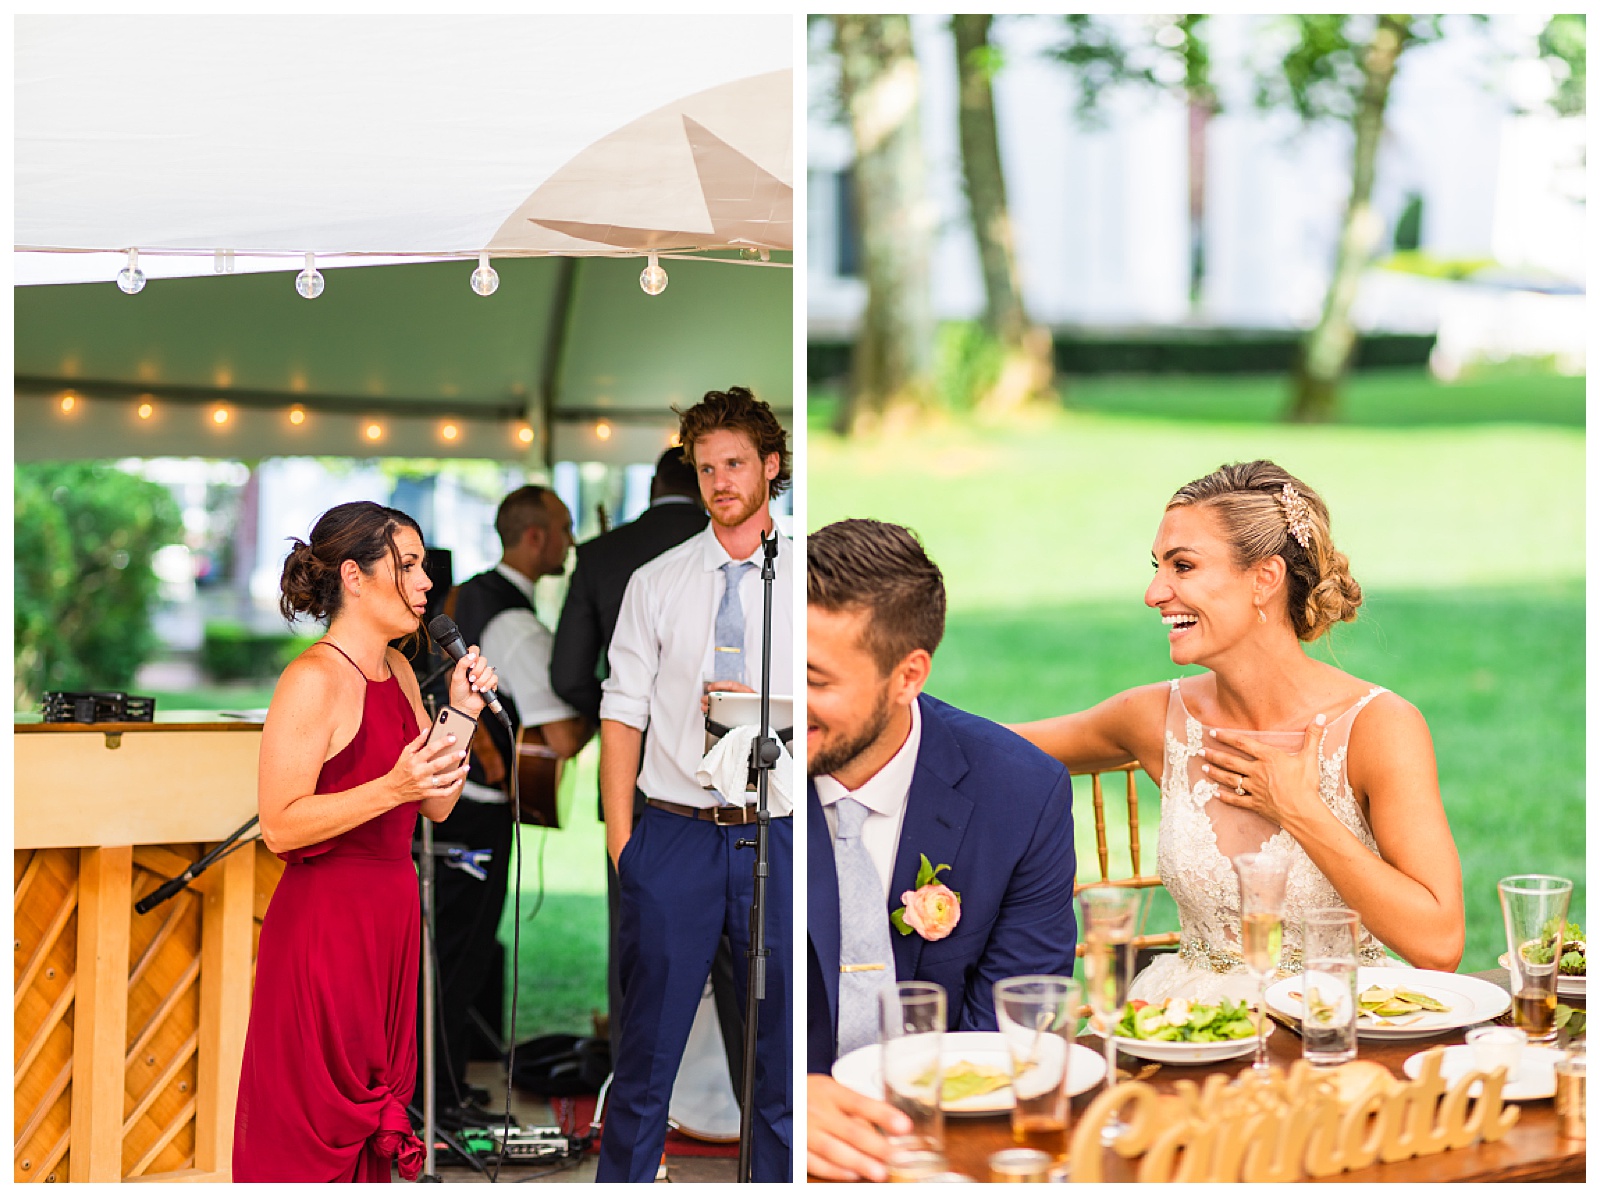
1564,42
85,537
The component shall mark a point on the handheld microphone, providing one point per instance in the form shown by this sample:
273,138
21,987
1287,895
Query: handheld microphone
443,631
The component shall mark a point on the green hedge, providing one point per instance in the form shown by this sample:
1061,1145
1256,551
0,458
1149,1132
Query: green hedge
1170,349
234,652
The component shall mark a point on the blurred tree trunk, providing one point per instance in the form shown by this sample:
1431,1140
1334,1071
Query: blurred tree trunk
881,89
1326,352
1026,366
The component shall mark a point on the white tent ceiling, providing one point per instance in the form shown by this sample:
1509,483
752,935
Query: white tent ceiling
415,136
383,140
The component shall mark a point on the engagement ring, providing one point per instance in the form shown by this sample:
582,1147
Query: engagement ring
1239,787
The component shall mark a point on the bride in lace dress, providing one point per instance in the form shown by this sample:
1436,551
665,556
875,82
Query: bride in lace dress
1272,749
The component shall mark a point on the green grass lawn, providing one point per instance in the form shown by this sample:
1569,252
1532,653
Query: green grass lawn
1468,540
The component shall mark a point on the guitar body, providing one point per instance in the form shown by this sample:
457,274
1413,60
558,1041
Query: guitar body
538,774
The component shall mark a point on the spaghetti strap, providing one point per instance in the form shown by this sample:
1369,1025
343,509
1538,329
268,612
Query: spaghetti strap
349,660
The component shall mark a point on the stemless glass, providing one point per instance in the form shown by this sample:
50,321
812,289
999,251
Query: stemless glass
1262,879
1110,917
911,1017
1534,907
1328,986
1037,1016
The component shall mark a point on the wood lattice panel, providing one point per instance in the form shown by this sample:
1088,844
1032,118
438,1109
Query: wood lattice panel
45,930
163,1021
170,1067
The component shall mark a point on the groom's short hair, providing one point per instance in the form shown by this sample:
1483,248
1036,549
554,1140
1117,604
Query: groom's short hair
881,569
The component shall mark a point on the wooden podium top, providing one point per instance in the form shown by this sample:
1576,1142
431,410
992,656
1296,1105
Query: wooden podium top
188,776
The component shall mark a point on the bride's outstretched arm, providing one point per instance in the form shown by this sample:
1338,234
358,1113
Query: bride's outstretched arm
1126,726
1411,898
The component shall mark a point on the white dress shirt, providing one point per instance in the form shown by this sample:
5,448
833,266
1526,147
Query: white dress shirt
662,653
517,644
884,796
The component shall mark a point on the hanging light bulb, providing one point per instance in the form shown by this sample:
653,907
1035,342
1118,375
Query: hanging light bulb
297,416
146,411
485,279
449,431
374,431
525,434
130,279
68,403
219,415
653,279
602,430
309,282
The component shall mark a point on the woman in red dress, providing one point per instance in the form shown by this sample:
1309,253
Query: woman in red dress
330,1058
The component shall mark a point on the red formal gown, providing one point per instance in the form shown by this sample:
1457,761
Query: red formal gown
330,1057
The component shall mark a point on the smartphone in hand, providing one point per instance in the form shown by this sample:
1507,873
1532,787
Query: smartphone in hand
450,721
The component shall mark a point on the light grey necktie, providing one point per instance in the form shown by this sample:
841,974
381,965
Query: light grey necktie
728,634
866,958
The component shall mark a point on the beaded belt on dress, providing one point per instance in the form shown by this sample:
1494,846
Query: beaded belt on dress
1198,952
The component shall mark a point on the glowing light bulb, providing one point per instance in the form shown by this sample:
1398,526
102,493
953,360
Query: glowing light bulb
448,431
146,411
130,279
602,430
485,279
374,432
525,434
297,416
68,403
653,279
309,282
219,415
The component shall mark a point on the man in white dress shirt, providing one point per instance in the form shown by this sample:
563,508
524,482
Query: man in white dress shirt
691,620
495,610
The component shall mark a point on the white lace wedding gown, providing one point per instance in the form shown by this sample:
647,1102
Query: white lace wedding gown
1198,835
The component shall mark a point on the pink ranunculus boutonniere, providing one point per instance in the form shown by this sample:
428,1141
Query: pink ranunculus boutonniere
931,909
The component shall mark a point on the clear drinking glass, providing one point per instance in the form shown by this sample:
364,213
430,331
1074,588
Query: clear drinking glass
1038,1016
1110,918
911,1021
1328,986
1534,907
1262,879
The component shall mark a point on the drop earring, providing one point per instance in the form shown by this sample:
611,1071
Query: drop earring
1260,616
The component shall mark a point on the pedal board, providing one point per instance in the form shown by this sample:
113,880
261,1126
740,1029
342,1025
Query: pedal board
523,1144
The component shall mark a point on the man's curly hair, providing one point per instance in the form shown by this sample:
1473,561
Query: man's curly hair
738,410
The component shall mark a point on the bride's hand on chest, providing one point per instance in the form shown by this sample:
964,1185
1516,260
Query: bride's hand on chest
1280,786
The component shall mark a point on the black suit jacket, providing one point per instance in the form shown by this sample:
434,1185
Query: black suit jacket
594,596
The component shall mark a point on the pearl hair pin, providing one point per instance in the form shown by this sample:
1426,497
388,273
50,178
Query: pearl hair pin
1296,515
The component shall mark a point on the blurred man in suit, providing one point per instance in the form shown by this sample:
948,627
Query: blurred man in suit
589,617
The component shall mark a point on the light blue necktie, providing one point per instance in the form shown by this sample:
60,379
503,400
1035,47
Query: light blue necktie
866,957
728,635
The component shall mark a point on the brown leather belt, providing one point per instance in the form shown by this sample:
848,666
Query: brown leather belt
719,815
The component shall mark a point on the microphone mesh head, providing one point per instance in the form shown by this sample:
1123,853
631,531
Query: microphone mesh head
441,629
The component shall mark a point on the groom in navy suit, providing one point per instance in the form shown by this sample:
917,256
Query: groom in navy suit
896,778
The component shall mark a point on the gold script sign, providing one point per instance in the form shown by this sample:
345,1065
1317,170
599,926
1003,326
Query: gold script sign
1287,1127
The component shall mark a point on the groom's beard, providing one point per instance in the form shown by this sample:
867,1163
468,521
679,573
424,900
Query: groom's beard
828,761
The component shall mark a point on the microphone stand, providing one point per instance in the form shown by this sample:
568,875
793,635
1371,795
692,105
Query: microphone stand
763,755
176,885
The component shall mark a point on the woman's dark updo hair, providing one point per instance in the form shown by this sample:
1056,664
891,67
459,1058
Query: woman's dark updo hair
361,530
1249,501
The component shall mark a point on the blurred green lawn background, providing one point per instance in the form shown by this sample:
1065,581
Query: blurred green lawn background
1461,508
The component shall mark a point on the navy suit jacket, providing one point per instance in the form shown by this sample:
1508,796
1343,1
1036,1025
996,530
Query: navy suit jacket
999,811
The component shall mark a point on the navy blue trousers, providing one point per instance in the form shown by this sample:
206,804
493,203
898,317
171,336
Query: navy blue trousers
684,884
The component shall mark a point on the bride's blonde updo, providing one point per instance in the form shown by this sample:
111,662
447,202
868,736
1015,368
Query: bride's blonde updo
361,530
1256,512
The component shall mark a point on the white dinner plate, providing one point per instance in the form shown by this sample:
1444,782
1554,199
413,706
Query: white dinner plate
1566,986
1470,1001
862,1070
1176,1052
1535,1078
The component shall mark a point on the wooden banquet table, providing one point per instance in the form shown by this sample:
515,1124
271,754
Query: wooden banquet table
1531,1150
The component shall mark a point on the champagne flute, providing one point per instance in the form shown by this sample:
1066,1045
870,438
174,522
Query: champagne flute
1262,881
1110,917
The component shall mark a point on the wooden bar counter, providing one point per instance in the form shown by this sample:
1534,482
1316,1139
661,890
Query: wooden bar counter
129,1028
